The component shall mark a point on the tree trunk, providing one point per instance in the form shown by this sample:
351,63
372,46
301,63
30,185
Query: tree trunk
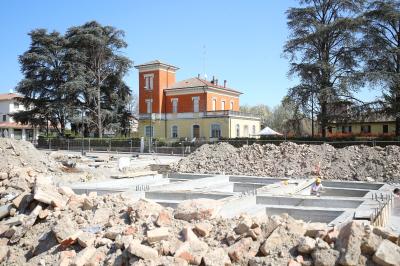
100,126
323,119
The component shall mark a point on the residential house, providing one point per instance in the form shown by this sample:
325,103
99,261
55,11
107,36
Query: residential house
8,127
349,120
194,108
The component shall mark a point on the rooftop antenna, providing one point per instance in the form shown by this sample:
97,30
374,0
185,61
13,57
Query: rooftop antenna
204,61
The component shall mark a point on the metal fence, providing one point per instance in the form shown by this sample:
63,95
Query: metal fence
177,147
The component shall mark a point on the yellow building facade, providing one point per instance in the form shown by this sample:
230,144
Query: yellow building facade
229,126
365,128
190,109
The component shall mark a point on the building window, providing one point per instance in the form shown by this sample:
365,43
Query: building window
16,105
148,131
215,131
223,105
231,106
214,104
195,104
175,105
346,129
254,130
174,132
385,128
149,106
196,131
366,129
148,82
246,131
237,130
4,118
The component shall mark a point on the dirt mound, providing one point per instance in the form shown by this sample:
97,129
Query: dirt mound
291,160
22,154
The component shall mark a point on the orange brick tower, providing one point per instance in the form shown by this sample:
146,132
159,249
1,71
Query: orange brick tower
154,78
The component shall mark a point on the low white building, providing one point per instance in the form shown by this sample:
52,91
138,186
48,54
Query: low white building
8,127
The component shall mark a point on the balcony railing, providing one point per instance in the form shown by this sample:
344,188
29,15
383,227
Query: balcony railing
229,113
224,113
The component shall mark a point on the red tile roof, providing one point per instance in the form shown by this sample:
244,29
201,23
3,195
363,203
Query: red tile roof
198,82
14,125
9,96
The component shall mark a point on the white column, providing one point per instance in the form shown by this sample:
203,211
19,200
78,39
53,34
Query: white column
23,134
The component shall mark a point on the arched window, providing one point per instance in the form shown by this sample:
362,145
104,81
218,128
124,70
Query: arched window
246,131
237,130
196,131
174,132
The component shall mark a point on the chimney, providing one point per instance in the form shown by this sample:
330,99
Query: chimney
198,76
225,83
213,80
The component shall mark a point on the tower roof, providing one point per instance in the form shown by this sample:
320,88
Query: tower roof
198,82
156,63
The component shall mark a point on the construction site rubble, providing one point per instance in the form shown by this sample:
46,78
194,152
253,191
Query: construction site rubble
288,159
42,224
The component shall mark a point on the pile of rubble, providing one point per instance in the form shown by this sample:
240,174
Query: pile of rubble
54,226
361,163
42,224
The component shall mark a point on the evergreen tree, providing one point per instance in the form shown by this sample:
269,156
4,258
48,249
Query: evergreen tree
98,69
323,51
381,43
46,97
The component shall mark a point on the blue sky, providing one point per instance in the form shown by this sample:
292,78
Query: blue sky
243,40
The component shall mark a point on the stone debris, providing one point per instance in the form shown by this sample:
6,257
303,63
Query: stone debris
142,251
202,229
197,209
42,224
388,254
306,245
288,159
158,234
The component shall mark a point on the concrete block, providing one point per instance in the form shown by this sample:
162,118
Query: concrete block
157,235
49,196
216,257
67,191
83,256
193,252
385,234
164,219
142,251
188,234
388,254
202,229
